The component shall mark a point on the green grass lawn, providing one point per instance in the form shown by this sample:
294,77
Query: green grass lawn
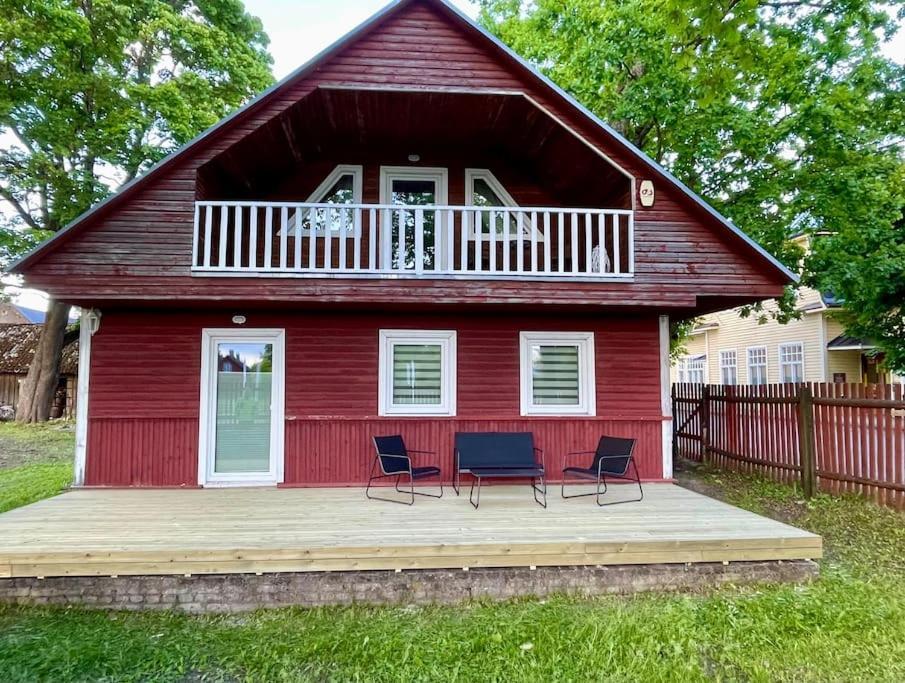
847,626
35,461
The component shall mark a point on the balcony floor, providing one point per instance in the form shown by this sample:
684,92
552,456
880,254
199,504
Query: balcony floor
101,532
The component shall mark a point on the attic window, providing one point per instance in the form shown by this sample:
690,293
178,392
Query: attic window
483,189
341,186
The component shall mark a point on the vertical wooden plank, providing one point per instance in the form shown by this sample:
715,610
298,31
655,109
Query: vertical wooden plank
450,227
574,242
208,230
312,238
491,230
237,236
601,243
402,216
504,225
372,239
588,250
343,236
297,235
224,221
284,230
547,241
268,237
439,242
253,237
419,240
196,229
806,441
328,241
477,222
464,221
356,246
519,242
534,241
561,242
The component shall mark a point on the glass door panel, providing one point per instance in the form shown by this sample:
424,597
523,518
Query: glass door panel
413,192
244,389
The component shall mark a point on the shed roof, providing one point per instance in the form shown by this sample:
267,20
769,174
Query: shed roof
17,349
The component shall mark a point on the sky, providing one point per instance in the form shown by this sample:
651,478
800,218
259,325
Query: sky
299,29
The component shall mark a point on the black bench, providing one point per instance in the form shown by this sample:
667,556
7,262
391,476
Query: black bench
499,455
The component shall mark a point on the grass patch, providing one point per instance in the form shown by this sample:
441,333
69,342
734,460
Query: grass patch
22,444
29,483
848,625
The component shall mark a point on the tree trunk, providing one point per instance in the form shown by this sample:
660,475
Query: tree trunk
37,391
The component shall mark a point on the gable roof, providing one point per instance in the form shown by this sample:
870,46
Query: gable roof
363,28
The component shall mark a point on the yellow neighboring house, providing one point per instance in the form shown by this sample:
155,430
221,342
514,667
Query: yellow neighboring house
725,348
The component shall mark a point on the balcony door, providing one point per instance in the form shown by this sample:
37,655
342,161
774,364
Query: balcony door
409,186
241,430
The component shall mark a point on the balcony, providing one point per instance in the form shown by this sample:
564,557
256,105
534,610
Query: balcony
294,239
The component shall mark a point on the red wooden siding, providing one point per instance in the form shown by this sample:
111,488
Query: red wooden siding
141,249
145,389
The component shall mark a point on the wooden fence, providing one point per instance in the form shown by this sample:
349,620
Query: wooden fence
840,438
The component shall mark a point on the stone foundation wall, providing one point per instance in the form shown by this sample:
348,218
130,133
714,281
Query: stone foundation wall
240,592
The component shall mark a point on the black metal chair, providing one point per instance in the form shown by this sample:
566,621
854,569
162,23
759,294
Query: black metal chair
392,459
612,458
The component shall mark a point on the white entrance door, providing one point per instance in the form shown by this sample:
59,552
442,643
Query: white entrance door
241,431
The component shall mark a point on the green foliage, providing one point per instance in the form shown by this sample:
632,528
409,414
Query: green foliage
95,92
783,115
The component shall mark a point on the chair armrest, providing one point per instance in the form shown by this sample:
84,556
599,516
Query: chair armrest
580,453
415,450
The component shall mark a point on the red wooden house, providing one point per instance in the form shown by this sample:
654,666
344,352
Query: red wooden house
415,232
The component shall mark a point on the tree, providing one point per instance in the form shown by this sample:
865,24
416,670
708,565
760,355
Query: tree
783,114
93,93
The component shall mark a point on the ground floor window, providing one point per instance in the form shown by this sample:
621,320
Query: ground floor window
729,367
691,369
791,362
557,373
417,372
757,365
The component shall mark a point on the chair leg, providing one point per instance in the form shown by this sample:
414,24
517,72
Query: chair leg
398,475
421,493
637,480
579,495
475,502
542,490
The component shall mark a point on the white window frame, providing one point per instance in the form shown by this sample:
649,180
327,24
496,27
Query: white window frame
685,369
724,365
438,174
783,364
447,341
316,197
472,174
766,363
210,339
587,383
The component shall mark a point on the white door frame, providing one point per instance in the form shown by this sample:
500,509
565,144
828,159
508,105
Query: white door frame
438,174
210,339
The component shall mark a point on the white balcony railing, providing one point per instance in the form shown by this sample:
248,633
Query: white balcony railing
305,240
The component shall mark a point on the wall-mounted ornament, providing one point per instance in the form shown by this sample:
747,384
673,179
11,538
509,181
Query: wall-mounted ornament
646,193
239,319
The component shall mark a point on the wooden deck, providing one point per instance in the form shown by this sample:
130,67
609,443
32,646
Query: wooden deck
97,532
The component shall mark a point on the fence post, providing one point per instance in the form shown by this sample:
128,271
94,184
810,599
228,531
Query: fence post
675,425
806,445
705,421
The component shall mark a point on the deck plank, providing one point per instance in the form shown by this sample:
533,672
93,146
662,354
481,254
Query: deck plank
170,531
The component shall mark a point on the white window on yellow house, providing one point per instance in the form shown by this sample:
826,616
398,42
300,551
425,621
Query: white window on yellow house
791,362
691,369
757,365
729,367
